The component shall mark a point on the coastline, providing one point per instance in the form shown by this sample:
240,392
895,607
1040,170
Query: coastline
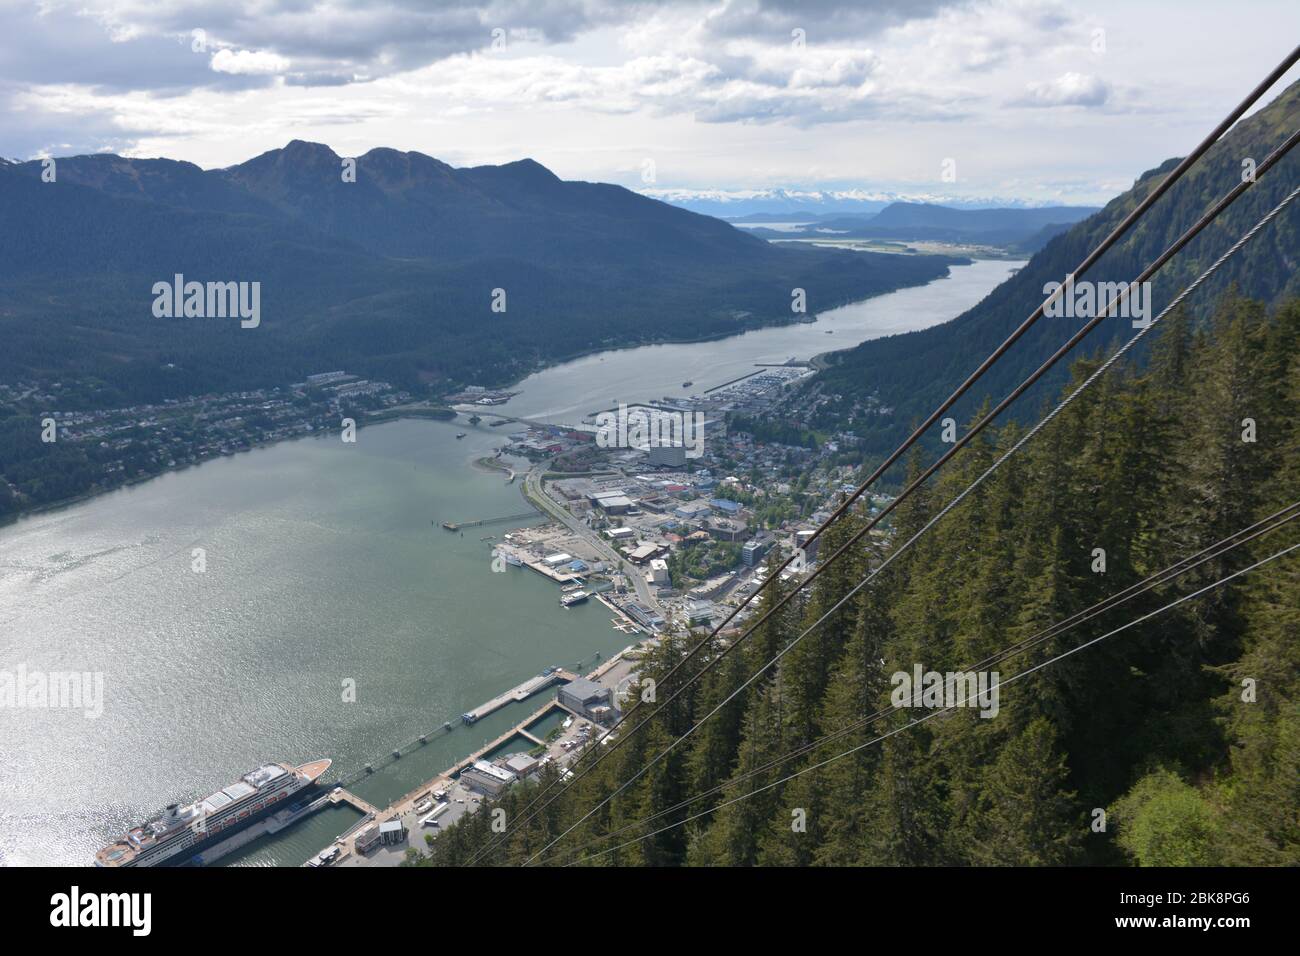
774,323
429,411
381,418
487,463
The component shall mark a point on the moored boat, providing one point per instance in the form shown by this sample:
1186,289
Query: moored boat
181,831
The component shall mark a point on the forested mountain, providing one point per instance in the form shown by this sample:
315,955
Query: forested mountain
911,373
1183,730
391,275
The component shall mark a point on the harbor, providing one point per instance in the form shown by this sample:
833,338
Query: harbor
446,796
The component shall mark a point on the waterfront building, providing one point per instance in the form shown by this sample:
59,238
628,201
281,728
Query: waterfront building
487,777
392,832
521,765
585,697
367,839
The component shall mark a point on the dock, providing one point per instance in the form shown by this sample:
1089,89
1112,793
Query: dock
479,522
519,693
404,806
528,560
481,753
733,381
339,795
264,827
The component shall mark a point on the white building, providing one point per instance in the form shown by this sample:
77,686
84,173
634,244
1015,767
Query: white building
658,573
392,832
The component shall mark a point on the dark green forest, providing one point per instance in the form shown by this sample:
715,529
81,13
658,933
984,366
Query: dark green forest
1155,727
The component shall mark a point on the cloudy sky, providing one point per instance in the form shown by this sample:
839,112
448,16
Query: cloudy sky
1043,100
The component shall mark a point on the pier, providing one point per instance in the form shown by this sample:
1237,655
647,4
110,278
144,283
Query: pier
516,731
479,522
339,795
264,827
522,692
733,381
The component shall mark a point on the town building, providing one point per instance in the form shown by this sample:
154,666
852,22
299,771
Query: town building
667,456
692,510
487,778
658,573
727,529
805,540
585,697
611,502
699,614
752,553
644,552
392,832
367,839
651,620
521,765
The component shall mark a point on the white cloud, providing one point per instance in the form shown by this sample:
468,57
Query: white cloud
1068,89
713,90
248,62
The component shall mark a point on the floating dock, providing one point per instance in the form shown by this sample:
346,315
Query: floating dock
547,678
264,827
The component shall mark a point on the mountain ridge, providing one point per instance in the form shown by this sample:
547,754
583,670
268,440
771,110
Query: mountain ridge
391,276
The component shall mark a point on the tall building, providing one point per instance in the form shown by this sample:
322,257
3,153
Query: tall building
753,552
667,456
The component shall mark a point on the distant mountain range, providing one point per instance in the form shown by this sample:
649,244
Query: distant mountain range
1017,229
391,275
790,205
913,372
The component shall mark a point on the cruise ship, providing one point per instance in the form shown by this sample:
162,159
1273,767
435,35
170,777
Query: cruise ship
181,831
